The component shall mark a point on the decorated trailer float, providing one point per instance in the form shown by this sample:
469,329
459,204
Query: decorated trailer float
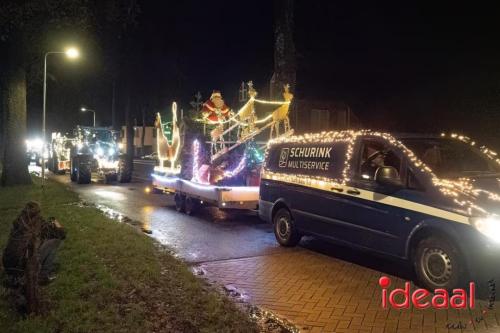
219,162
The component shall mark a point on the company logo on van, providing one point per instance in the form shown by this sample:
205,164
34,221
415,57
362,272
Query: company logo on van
305,158
284,157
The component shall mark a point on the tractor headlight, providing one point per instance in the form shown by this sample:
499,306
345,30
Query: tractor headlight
489,226
111,151
99,151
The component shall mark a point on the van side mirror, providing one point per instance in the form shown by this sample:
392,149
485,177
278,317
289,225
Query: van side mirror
388,176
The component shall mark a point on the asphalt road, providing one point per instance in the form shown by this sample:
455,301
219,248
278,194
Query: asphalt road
209,236
212,234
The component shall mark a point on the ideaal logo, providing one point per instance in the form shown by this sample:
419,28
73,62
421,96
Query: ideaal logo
284,157
459,299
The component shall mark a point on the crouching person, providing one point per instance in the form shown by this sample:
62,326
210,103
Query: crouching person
31,234
52,236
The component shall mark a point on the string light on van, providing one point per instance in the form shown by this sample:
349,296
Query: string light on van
491,154
451,188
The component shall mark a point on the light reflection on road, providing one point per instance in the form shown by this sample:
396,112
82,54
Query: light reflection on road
110,194
210,235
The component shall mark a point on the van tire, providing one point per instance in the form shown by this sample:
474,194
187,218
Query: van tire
180,202
284,228
438,264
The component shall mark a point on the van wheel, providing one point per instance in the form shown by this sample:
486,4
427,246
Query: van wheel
284,228
180,202
438,264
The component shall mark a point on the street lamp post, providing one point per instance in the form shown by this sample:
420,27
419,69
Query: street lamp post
89,110
70,53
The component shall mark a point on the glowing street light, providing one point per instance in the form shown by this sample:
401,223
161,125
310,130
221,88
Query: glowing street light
71,53
84,109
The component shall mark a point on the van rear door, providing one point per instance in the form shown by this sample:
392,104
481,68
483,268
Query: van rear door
301,167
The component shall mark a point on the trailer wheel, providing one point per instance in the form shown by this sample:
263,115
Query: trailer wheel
156,190
192,205
84,172
180,202
124,174
73,168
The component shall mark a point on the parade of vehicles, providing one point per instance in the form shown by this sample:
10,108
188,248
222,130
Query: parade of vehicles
91,150
431,200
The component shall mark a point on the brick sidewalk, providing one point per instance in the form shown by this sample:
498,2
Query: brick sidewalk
319,293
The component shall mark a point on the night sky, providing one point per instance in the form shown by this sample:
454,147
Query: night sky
400,66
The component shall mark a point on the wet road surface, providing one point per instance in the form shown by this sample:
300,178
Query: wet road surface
210,235
316,286
213,234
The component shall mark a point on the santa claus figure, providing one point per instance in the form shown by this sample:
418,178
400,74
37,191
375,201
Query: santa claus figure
215,110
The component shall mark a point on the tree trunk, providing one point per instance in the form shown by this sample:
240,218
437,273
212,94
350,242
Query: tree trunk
14,159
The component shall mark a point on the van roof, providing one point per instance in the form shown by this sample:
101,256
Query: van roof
347,134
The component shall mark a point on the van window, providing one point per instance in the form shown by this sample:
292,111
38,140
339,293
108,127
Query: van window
375,154
451,158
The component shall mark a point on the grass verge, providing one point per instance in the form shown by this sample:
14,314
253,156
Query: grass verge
113,278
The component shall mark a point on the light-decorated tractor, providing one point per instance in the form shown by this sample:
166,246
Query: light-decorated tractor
219,162
92,150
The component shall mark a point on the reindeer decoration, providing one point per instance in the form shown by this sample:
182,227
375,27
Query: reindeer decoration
246,115
168,150
280,115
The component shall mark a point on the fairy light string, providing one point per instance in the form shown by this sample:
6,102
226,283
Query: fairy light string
459,190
